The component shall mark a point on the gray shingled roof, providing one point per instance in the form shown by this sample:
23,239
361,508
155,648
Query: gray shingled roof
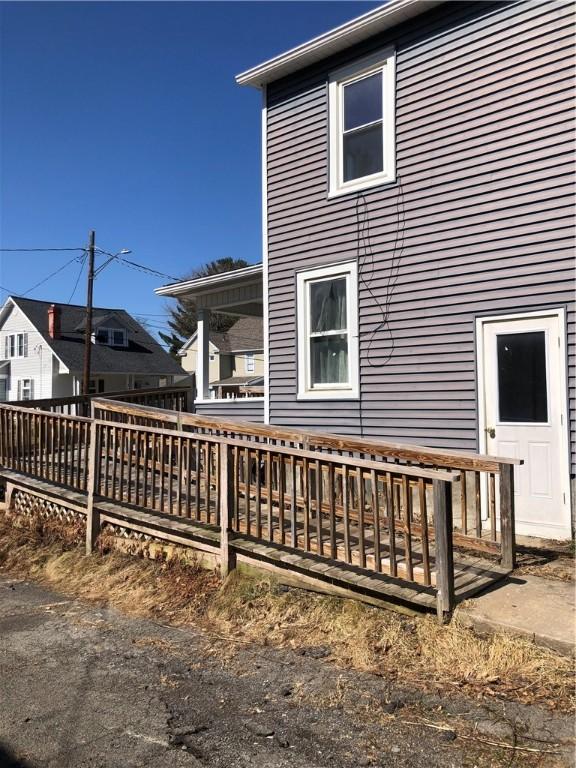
246,334
142,355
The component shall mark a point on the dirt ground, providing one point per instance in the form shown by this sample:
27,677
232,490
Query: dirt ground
82,685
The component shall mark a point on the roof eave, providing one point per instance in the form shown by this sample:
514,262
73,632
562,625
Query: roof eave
211,282
335,40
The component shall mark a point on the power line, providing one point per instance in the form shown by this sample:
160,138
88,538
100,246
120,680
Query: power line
52,274
149,270
26,250
82,262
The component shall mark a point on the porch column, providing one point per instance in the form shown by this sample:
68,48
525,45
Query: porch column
203,355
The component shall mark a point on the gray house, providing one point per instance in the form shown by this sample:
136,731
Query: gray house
417,282
42,351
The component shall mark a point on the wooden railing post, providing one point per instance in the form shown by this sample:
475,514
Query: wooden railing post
92,515
226,480
444,549
507,533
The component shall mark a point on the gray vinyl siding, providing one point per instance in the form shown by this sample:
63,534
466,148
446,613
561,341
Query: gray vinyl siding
479,222
243,409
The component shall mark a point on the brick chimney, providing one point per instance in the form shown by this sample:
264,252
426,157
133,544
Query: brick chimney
54,321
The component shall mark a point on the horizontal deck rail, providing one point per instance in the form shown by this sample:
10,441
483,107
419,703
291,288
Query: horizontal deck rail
174,398
486,526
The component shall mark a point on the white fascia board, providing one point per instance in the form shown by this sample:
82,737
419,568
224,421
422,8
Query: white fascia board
335,40
212,282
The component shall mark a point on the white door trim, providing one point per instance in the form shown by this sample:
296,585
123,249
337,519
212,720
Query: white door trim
559,313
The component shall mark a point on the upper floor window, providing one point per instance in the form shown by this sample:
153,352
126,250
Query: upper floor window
16,345
249,362
114,337
328,332
362,123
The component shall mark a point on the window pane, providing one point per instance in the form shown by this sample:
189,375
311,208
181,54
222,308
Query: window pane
363,101
522,377
118,338
329,360
363,152
102,335
328,305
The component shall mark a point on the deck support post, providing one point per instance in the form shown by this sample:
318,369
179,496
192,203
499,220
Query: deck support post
8,496
227,554
507,533
92,515
444,548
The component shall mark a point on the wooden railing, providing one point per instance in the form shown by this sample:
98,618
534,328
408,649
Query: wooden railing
48,446
482,499
360,504
381,517
176,398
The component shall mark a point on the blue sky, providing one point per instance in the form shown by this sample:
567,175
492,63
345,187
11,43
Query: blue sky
124,117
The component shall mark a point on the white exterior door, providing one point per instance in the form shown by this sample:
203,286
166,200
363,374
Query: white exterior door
523,415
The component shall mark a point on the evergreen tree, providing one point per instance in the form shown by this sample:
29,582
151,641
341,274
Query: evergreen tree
182,317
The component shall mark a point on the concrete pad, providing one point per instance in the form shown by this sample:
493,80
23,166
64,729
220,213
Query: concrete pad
543,609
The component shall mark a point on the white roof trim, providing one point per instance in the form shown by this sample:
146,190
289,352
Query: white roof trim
206,284
335,40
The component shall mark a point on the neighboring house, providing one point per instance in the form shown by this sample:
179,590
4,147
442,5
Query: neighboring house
418,278
42,351
235,359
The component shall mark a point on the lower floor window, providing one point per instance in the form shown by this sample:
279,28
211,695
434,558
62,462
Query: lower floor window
96,386
25,389
328,332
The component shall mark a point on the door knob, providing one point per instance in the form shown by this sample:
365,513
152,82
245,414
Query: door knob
491,432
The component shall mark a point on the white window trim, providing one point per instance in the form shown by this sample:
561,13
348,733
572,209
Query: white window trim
384,61
249,362
12,342
22,386
111,332
349,391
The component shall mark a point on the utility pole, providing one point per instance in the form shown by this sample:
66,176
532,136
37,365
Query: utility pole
88,334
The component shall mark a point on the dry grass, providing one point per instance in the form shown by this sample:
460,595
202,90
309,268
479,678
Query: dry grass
50,552
418,651
413,651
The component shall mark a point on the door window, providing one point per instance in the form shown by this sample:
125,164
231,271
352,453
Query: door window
522,386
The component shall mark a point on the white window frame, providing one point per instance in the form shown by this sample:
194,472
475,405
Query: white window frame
385,62
16,345
110,333
249,362
25,389
350,390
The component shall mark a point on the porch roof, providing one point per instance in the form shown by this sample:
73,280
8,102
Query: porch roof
238,292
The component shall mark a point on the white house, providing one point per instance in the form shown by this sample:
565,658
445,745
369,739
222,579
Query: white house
42,351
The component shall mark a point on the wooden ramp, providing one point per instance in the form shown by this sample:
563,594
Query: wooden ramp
471,574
